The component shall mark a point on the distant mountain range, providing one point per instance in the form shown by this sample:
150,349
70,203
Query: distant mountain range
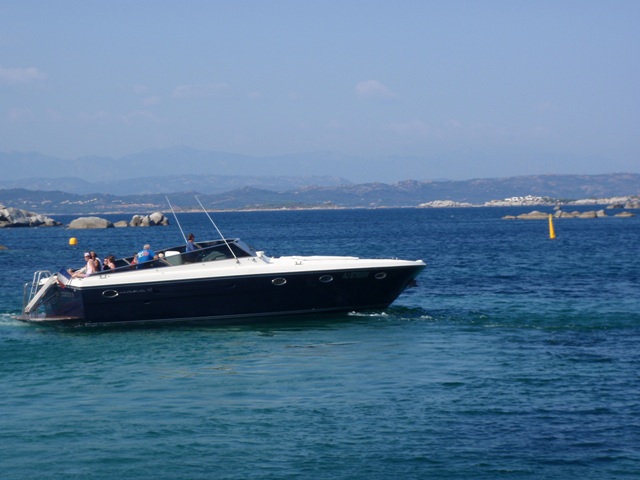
205,184
408,193
175,168
164,171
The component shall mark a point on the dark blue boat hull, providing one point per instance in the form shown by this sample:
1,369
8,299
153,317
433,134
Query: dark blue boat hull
232,299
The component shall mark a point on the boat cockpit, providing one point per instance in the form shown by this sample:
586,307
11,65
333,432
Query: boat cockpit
205,252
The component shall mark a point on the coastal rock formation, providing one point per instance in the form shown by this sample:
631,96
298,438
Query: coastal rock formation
563,214
15,217
625,214
154,219
90,222
536,215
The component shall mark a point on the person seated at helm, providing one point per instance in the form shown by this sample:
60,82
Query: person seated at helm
191,245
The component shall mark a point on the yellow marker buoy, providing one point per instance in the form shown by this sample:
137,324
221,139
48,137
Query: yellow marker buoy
73,241
552,232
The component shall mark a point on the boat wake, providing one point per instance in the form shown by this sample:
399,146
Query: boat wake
8,319
396,313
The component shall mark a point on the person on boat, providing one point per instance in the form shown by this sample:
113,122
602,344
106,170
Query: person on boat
191,243
96,261
145,255
89,269
109,263
134,260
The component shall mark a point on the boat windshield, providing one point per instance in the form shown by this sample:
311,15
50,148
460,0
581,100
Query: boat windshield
217,250
206,252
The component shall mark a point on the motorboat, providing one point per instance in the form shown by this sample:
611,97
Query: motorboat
222,281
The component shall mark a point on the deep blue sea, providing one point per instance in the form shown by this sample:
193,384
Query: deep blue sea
516,356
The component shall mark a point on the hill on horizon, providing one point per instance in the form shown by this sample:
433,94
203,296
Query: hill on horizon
409,193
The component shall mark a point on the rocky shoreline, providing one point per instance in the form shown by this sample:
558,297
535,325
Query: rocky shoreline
15,217
537,215
625,202
152,220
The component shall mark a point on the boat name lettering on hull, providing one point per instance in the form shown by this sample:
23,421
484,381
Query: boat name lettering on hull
355,275
140,290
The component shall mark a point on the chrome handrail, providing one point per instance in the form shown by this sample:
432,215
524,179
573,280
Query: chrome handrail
38,278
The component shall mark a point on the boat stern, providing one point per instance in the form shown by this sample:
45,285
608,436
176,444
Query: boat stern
49,299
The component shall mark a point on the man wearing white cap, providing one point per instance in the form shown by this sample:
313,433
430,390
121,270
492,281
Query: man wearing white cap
86,271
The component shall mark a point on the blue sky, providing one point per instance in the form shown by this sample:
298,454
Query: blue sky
474,89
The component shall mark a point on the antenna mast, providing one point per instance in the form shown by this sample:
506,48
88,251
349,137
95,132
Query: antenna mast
174,216
218,230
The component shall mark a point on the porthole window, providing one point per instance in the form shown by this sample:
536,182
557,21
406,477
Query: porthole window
380,275
279,281
326,278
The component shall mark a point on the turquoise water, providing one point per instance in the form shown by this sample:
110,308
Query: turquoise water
514,357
